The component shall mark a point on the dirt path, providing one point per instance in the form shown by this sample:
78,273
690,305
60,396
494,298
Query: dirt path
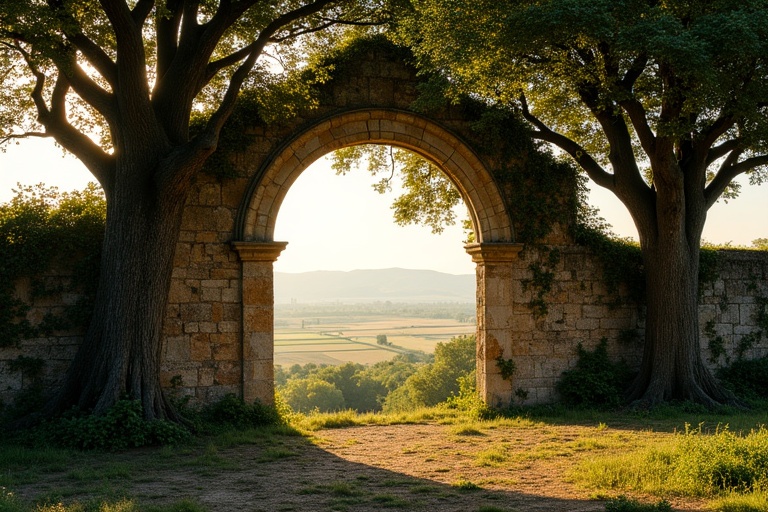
424,467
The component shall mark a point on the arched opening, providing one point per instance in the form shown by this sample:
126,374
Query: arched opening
493,251
362,302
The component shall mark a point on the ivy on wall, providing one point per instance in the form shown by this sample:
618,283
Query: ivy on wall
43,229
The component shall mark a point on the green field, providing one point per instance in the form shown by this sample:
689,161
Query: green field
336,340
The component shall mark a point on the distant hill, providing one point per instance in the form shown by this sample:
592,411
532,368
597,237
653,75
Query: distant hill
392,284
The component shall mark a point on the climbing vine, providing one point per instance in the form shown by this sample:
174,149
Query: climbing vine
37,227
541,281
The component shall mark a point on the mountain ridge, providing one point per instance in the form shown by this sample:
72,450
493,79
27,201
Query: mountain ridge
363,285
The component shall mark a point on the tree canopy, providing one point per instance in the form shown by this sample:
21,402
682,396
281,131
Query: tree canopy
117,83
662,103
685,77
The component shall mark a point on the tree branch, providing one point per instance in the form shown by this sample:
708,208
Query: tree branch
634,72
56,125
577,152
639,118
132,85
120,17
167,33
721,150
204,144
728,172
141,10
229,60
95,56
718,127
92,52
85,87
25,135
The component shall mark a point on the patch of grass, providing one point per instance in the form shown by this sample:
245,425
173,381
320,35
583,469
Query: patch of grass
9,502
733,502
693,463
492,457
465,485
211,459
119,505
624,504
396,482
112,471
275,453
338,489
389,501
342,488
466,430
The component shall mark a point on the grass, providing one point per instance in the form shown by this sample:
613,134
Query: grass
723,465
723,461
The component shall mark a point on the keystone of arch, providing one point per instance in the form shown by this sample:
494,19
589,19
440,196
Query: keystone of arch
261,203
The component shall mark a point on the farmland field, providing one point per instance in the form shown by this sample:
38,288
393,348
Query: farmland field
350,335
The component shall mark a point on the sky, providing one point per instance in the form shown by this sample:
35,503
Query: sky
340,223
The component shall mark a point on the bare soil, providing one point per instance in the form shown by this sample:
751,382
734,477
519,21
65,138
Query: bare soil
421,467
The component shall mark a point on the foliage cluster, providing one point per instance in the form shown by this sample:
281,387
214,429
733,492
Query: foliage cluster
693,463
122,427
541,281
231,412
37,226
402,383
747,378
468,401
595,381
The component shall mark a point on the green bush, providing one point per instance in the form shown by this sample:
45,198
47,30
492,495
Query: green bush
596,381
469,401
121,427
232,412
748,378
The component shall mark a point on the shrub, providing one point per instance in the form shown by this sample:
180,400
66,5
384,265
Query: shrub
468,401
747,377
596,380
122,426
232,412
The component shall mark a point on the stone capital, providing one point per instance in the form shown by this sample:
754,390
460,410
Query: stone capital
259,251
489,253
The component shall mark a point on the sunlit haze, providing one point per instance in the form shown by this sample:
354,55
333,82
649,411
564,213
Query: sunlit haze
339,223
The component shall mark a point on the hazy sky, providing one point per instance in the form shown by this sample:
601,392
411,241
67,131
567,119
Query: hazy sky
339,223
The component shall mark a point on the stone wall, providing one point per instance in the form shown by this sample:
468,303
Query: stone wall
217,335
582,310
56,349
202,351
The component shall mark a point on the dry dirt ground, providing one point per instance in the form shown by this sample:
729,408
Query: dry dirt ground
422,467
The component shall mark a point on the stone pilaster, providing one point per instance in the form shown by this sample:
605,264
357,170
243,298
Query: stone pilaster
494,312
258,302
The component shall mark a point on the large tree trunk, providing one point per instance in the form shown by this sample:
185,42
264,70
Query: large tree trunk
120,355
672,367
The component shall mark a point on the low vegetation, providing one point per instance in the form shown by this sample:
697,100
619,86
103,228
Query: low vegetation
632,461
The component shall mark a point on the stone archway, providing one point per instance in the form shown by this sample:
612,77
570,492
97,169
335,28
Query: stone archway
258,213
255,224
